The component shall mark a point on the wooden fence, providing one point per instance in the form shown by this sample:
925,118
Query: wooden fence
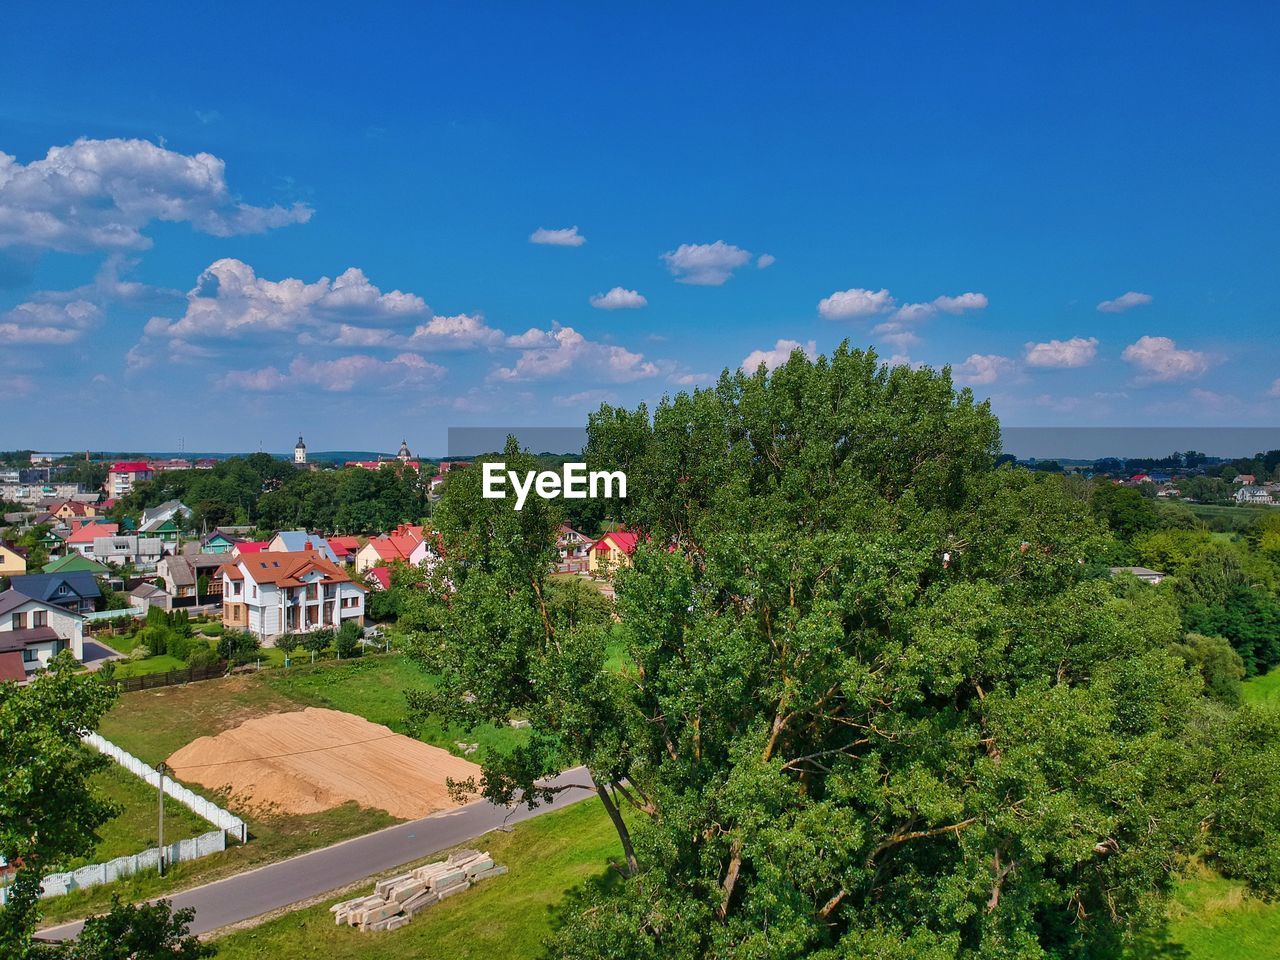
150,681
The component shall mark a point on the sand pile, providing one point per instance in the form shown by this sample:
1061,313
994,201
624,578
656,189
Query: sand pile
316,759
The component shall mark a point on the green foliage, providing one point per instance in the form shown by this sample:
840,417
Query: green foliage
1216,661
347,641
237,646
1125,510
1249,619
317,641
49,815
388,605
288,643
147,931
872,702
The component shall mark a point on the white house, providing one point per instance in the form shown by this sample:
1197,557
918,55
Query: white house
270,593
32,632
1250,494
142,552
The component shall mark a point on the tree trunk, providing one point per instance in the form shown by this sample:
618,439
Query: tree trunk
633,866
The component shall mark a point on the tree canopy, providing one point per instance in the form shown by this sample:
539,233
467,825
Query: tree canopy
867,698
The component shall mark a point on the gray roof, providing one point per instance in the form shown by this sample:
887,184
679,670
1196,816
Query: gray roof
11,599
46,586
296,540
161,512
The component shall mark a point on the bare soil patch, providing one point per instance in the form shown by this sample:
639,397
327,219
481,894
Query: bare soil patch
316,759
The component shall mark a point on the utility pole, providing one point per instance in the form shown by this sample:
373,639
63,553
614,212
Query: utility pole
160,768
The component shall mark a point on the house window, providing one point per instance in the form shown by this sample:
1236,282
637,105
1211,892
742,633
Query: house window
40,618
19,621
255,591
29,655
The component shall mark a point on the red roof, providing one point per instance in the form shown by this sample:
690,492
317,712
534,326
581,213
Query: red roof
344,546
11,667
131,466
251,546
383,576
624,540
91,531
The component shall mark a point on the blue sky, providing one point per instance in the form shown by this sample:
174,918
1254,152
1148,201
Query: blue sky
952,185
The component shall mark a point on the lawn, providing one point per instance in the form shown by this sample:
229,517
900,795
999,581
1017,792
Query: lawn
1213,919
148,665
134,829
508,917
1263,689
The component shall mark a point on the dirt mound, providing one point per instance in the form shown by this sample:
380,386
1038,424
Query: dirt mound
316,759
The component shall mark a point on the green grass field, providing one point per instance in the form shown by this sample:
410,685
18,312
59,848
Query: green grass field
508,917
1263,689
134,829
148,665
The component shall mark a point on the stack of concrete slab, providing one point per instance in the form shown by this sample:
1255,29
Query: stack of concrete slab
396,900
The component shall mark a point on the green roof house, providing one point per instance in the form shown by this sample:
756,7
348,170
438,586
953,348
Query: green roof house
73,562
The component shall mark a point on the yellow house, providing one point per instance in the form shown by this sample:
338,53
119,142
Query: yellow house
611,552
12,563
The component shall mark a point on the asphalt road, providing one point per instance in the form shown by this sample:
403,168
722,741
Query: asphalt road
261,890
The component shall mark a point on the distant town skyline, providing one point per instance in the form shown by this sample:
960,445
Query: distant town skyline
1078,215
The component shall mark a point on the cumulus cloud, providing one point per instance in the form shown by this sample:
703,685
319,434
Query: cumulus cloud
460,332
48,323
568,353
705,264
1159,360
765,260
777,356
230,300
855,304
1126,301
336,376
619,299
1063,354
566,237
895,333
982,368
100,194
858,304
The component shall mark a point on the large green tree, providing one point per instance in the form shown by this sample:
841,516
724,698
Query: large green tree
873,703
49,814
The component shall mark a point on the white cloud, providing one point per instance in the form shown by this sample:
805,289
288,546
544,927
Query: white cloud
48,323
531,339
855,304
566,237
336,376
99,194
705,264
230,300
1125,301
1160,360
765,260
586,398
966,301
982,368
690,379
779,355
570,353
896,334
619,299
460,332
1063,354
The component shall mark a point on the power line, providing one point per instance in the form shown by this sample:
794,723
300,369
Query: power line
277,756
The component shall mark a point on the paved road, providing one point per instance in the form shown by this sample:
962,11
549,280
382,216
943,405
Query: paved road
258,891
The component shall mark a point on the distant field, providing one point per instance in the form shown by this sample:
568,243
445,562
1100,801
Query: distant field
508,917
1213,919
1263,689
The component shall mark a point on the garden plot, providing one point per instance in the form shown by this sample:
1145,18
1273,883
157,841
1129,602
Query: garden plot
317,759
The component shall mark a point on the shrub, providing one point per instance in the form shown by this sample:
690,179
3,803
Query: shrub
348,639
202,656
237,646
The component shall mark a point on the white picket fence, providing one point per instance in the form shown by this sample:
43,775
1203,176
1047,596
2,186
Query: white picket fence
220,818
56,884
215,841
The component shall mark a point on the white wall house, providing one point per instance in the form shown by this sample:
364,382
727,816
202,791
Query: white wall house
271,593
37,630
142,552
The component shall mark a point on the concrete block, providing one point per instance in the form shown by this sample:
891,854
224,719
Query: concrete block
460,855
382,886
419,903
407,890
466,884
494,871
395,923
374,914
447,880
478,865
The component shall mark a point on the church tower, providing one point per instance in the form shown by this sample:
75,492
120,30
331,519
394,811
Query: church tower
404,455
299,451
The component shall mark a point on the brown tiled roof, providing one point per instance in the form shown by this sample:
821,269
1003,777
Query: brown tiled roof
286,569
